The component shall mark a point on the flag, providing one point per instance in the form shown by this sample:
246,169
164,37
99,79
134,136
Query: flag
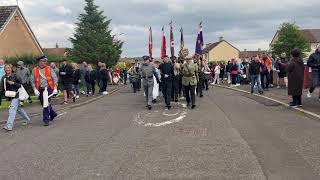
171,40
199,43
163,45
150,43
181,39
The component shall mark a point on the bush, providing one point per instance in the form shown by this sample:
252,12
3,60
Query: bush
28,59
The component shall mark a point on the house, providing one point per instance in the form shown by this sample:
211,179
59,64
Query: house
16,36
220,51
61,52
312,35
249,54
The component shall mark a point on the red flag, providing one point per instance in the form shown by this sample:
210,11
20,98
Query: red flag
150,43
163,45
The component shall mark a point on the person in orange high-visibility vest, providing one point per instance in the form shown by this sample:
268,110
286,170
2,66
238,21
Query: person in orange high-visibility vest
43,77
265,71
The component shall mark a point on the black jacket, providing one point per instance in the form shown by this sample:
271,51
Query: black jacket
91,77
66,79
314,61
13,87
104,74
295,77
166,69
254,68
76,76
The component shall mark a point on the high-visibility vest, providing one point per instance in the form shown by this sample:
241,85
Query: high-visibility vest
47,74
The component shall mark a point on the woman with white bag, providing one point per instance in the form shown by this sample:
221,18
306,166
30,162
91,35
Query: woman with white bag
9,88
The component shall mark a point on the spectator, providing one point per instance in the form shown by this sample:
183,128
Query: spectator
2,73
314,63
90,77
84,82
76,76
55,68
234,72
295,78
281,66
24,75
217,70
104,76
228,71
254,71
66,73
265,71
11,83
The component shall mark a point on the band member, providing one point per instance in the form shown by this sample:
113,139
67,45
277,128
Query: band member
44,78
175,80
156,86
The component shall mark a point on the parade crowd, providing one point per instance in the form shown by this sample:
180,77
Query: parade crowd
186,78
46,81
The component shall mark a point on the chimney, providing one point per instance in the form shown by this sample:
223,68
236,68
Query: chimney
245,50
57,46
220,38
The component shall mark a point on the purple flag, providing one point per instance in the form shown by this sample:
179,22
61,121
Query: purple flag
199,43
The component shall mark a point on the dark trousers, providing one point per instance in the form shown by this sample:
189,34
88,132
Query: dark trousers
166,90
181,88
175,88
190,94
200,86
125,76
297,100
91,87
265,80
271,77
48,112
206,84
103,85
315,81
234,79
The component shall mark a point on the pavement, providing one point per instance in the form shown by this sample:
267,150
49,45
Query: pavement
229,136
309,104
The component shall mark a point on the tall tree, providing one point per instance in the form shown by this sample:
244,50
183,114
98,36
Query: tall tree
290,37
92,41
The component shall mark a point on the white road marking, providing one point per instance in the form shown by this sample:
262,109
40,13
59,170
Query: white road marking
176,120
61,114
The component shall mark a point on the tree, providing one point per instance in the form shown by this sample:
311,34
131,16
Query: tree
290,37
92,41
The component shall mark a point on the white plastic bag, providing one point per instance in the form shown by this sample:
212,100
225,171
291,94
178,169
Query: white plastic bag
23,95
45,98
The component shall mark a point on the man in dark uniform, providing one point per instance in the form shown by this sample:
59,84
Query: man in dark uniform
167,74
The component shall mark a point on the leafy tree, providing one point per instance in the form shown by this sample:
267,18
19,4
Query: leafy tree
92,41
290,37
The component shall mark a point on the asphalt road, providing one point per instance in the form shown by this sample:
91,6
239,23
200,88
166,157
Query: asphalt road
228,136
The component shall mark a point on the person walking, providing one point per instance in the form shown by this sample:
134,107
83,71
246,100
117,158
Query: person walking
206,72
125,76
295,78
314,64
55,68
147,72
66,73
167,76
76,76
11,83
23,74
156,86
281,66
190,79
234,72
254,71
90,78
200,71
44,78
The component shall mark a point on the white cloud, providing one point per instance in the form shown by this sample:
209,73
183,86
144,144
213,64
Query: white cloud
61,10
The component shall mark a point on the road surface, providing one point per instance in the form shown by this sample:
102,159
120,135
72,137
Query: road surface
228,136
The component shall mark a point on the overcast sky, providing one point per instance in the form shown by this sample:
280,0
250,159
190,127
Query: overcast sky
247,24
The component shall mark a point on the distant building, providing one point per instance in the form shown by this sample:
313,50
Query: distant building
16,36
313,36
220,51
249,54
55,51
